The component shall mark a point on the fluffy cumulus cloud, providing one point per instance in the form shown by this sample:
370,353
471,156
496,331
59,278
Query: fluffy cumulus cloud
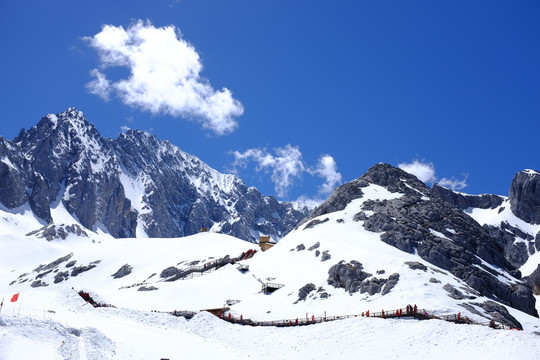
327,169
425,172
287,167
164,76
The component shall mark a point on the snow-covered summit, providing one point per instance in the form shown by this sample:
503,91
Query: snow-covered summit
135,185
415,219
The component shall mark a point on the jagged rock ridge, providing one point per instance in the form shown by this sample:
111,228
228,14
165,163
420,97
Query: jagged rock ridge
131,186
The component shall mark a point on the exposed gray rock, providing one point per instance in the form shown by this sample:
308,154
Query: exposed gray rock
80,269
415,265
534,281
464,201
300,247
505,236
61,276
53,264
455,293
372,286
518,253
71,263
123,271
339,199
39,283
434,281
348,276
352,278
392,281
314,223
525,196
314,246
41,275
16,175
496,312
53,232
169,272
73,331
317,253
516,231
147,288
326,255
304,291
361,216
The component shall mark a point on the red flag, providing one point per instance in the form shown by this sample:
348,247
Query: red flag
15,297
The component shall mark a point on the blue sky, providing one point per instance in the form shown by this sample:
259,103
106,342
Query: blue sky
295,96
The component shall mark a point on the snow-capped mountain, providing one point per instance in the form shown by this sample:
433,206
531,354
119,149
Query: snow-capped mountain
379,243
132,186
420,221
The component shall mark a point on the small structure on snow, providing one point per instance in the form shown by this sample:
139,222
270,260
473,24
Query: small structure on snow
264,243
269,288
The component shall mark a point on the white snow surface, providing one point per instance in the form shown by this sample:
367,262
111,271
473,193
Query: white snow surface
54,322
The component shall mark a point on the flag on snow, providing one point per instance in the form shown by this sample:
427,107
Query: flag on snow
15,297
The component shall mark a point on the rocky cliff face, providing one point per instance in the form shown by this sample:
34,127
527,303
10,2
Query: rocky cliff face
134,185
421,221
525,196
465,201
511,221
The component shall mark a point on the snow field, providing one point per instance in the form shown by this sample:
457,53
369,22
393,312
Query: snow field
54,322
128,334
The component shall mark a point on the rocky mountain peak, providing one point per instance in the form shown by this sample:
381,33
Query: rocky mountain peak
525,196
392,178
419,221
135,185
395,180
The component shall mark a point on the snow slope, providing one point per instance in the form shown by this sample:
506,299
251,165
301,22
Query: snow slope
54,322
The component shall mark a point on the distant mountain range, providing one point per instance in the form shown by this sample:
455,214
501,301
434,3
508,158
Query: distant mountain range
132,186
471,249
378,242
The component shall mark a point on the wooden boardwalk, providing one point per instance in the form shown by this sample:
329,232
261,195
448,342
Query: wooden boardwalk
405,313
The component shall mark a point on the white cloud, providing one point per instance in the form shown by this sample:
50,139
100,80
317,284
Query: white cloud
124,128
287,167
327,169
310,203
100,86
454,183
425,172
164,76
